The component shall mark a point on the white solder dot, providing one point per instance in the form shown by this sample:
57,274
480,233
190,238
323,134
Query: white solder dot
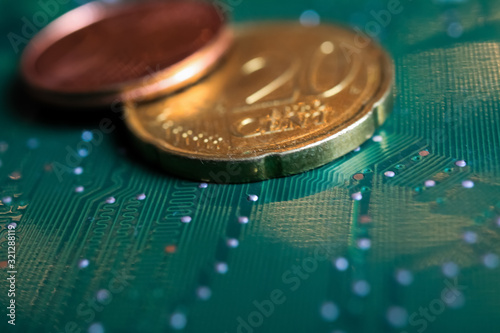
453,298
7,200
3,146
204,293
33,143
468,184
377,138
397,316
455,30
203,185
221,267
252,197
361,288
83,152
178,321
357,149
141,196
364,243
357,196
110,200
242,219
186,219
309,18
491,260
389,174
78,171
329,311
326,48
232,243
450,269
96,328
460,163
83,263
341,264
103,295
470,237
79,189
430,183
404,277
87,136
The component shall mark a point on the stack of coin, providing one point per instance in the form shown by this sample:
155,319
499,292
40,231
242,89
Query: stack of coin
275,100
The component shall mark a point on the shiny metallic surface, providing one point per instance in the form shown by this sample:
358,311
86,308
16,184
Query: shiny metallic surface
98,54
288,98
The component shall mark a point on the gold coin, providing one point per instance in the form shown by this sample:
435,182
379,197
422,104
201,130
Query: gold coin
287,99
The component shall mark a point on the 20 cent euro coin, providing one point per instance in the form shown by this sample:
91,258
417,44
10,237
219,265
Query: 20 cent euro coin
287,99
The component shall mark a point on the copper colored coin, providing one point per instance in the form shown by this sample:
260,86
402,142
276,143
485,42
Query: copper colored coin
99,54
289,98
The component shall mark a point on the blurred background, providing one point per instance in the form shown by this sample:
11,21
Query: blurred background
100,245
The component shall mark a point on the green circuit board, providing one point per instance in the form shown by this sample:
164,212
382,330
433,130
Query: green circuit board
401,235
